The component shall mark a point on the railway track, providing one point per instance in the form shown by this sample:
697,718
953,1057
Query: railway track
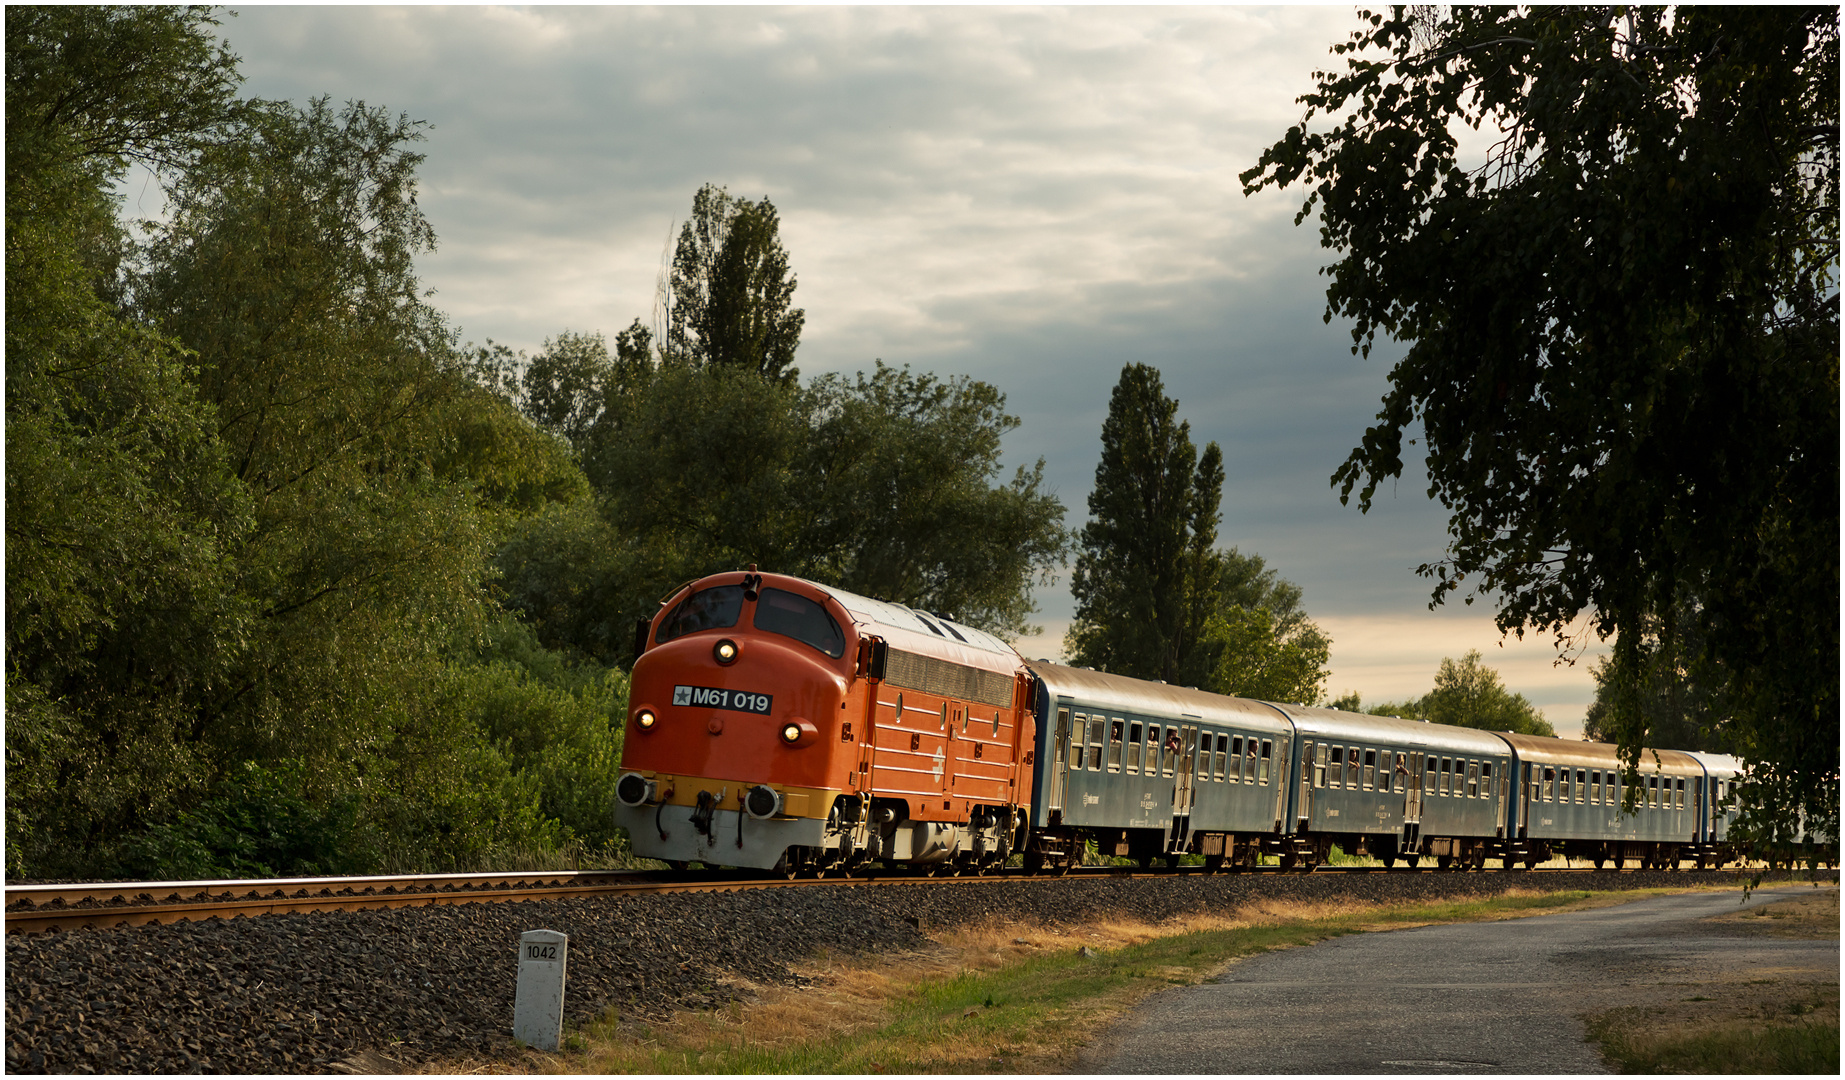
34,909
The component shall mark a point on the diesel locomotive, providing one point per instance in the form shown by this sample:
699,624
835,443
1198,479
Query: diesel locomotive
779,724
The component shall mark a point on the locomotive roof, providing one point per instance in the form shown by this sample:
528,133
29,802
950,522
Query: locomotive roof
923,632
1118,692
1364,727
1596,755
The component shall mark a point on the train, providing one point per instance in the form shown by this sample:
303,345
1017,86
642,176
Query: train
779,724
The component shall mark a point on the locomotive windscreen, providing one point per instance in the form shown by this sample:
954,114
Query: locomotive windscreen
795,616
706,609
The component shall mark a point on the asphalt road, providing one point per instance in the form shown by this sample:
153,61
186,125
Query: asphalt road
1500,997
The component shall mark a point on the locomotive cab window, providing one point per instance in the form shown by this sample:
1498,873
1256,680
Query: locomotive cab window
715,608
792,615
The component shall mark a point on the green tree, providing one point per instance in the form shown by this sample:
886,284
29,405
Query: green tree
888,484
1146,576
1256,659
1469,694
730,290
1622,330
1682,710
1466,694
120,505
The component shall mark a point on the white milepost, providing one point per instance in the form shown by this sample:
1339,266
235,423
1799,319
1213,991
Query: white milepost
538,1008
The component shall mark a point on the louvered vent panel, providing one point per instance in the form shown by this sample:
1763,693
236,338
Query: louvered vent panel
932,676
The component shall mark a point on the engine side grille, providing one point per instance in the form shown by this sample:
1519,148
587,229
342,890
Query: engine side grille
932,676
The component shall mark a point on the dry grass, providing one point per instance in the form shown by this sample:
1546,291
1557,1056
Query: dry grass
1759,1020
1000,997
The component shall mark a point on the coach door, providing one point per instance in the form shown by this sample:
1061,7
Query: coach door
1179,836
1412,804
1060,762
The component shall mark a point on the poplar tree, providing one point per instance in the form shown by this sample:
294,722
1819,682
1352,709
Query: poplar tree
730,292
1146,575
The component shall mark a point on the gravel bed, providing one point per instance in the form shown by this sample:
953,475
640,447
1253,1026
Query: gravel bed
308,993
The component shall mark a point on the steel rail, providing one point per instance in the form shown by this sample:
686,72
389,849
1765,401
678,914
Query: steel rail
42,908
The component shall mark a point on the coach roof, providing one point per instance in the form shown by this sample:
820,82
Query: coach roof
1353,727
1121,694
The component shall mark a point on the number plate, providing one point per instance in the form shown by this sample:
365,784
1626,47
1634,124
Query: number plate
710,697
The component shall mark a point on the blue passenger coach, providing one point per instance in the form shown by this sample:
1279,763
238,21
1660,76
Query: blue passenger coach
1570,797
1393,788
1149,770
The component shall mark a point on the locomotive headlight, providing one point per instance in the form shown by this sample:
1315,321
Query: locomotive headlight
797,731
725,651
646,719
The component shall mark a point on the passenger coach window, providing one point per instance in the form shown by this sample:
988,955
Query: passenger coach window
1153,751
1565,796
1223,754
795,616
1133,748
1473,779
1550,785
1582,785
1077,730
706,609
1319,765
1114,746
1098,736
1351,768
1446,767
1236,760
1679,787
1428,778
1370,769
1486,779
1267,746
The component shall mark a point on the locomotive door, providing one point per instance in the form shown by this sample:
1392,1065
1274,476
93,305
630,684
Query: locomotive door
1060,764
1179,836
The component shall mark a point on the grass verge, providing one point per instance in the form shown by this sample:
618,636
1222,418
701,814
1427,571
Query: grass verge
1001,998
1758,1021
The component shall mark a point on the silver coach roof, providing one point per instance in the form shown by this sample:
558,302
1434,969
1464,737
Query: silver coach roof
1721,766
1363,727
1119,693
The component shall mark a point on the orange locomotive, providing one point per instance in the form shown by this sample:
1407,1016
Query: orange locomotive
780,724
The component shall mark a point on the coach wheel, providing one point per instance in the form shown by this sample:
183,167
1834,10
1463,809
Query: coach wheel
1034,862
677,866
1411,860
1599,861
1213,864
1531,862
1442,862
1145,862
1388,858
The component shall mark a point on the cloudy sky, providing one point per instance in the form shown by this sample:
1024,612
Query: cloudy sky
1033,197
